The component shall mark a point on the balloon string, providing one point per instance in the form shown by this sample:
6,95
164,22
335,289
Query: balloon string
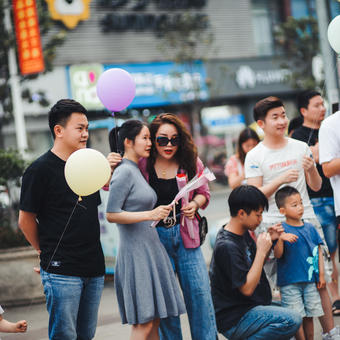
68,222
116,131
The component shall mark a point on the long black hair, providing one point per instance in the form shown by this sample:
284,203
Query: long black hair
186,154
245,134
130,129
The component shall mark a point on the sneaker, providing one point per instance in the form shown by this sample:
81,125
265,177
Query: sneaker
333,334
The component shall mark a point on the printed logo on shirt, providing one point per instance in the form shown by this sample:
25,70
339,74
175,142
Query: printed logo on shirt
248,253
254,167
284,164
55,263
314,263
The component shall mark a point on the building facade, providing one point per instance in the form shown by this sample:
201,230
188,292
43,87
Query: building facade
240,66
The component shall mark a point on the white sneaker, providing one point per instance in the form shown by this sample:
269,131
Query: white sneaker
333,334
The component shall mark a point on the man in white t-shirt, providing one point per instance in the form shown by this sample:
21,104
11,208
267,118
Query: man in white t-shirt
278,161
329,154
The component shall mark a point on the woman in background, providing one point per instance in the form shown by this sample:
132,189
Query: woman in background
234,169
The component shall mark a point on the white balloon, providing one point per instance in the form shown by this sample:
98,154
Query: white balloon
86,171
334,34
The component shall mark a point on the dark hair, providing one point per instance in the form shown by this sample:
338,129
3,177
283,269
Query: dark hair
246,197
130,129
283,193
262,107
61,112
186,154
304,97
295,123
245,135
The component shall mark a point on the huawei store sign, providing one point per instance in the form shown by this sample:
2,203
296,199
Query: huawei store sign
248,78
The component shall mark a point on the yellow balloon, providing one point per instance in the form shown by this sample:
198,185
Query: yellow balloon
86,171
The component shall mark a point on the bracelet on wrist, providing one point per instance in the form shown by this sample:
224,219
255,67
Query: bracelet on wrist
197,205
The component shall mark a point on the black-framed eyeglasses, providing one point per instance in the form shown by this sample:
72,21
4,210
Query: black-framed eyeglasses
164,141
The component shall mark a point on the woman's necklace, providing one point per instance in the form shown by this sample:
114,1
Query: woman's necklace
163,172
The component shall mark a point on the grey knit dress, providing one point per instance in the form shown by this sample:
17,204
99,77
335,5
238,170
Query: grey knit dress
145,282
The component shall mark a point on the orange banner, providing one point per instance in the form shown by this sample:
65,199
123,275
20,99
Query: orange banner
28,37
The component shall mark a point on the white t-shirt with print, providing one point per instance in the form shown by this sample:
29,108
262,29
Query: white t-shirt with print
329,148
271,163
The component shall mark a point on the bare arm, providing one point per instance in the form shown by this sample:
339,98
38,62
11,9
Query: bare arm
321,283
11,327
270,188
315,152
313,178
29,226
331,168
234,180
129,217
254,275
278,249
190,209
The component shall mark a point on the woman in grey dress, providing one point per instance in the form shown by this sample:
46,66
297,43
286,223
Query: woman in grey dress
146,287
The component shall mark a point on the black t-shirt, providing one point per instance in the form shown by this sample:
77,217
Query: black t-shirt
310,136
45,192
232,259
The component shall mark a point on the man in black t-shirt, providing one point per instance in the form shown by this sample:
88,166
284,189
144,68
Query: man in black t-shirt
312,109
64,232
240,289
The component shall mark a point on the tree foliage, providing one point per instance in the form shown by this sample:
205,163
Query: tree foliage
12,166
50,43
299,41
188,41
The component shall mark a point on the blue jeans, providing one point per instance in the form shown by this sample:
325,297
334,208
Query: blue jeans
189,265
72,303
324,211
266,322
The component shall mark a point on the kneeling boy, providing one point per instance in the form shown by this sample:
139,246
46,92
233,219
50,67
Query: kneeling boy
240,289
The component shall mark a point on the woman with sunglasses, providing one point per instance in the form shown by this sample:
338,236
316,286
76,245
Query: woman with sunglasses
173,151
145,284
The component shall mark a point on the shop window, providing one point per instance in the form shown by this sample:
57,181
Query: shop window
266,15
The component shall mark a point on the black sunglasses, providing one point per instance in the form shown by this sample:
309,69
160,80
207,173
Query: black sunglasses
164,141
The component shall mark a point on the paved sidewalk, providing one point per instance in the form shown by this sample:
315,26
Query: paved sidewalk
109,324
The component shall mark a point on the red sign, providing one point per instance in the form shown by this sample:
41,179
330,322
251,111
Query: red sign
28,37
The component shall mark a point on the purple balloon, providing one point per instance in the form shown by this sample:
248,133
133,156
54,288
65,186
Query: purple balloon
116,89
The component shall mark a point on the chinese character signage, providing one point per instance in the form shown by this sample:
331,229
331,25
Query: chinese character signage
28,37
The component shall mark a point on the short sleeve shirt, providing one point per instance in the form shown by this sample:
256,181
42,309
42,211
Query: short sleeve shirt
329,148
44,191
232,259
271,163
300,260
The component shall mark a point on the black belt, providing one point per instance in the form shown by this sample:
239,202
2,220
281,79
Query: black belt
169,221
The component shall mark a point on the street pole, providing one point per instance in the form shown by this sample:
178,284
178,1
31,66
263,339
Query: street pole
18,112
327,53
